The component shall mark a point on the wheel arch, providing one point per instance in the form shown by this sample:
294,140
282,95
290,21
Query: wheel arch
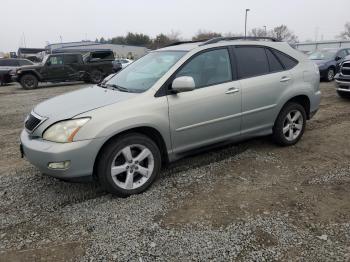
303,100
30,73
150,132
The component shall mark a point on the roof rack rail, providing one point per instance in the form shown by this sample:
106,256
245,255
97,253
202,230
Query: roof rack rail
218,39
187,42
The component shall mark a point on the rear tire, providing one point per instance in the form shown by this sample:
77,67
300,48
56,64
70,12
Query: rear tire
344,94
129,164
290,124
29,81
96,77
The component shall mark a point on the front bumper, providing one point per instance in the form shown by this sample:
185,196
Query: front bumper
15,78
343,83
81,154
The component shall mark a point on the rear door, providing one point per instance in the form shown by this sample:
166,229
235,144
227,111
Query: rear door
210,113
263,78
72,66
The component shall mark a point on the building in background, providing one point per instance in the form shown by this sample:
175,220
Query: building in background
120,51
312,46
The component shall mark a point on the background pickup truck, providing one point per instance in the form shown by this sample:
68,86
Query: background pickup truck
91,68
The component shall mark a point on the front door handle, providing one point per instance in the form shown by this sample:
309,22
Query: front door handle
285,79
232,90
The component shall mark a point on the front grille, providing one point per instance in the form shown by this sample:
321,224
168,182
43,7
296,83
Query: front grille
345,69
32,122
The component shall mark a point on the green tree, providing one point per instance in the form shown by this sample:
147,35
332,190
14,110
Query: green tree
205,35
283,33
118,40
137,39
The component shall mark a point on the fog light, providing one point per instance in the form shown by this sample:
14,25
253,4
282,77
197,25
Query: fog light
59,165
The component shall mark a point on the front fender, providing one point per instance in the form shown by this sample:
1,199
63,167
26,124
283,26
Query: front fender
37,74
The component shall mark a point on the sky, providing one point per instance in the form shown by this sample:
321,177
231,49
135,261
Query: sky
35,22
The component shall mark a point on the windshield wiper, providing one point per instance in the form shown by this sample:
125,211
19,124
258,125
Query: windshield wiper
119,88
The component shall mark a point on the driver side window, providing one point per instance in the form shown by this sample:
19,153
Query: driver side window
209,68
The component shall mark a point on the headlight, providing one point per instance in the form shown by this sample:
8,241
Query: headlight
64,131
18,71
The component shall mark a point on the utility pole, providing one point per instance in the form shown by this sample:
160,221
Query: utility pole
265,30
245,26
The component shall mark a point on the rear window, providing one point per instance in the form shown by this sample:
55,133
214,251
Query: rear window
287,61
252,61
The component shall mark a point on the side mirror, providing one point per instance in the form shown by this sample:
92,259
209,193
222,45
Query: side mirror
183,84
48,63
337,58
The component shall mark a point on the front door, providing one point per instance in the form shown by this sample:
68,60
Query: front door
54,69
210,113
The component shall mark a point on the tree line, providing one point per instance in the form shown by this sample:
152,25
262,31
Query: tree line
281,33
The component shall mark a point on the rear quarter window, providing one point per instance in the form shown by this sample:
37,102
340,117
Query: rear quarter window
287,61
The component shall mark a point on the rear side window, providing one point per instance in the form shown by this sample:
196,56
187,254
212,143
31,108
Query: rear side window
275,65
287,61
71,59
252,61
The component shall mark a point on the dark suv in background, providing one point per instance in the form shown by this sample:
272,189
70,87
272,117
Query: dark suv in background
9,64
328,61
91,68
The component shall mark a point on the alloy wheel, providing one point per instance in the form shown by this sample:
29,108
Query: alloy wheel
293,125
132,166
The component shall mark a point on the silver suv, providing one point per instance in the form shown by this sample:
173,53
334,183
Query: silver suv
169,103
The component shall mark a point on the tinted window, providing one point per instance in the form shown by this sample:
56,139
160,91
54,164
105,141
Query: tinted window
25,62
71,59
252,61
286,60
209,68
56,60
275,65
8,62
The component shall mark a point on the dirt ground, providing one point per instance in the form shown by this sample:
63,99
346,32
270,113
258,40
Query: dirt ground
252,200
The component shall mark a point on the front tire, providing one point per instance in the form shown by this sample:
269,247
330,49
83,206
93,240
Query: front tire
330,74
29,81
290,124
129,164
96,77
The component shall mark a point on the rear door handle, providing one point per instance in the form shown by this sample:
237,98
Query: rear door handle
285,79
232,90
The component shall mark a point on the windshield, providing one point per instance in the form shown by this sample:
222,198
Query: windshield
145,72
44,59
323,55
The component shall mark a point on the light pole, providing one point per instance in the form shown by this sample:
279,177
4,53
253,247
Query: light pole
265,30
245,26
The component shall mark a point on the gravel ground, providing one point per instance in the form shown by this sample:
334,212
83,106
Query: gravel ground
250,201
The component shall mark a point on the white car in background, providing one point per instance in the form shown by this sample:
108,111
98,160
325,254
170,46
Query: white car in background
124,62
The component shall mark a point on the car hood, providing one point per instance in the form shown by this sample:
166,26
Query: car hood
77,102
30,67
